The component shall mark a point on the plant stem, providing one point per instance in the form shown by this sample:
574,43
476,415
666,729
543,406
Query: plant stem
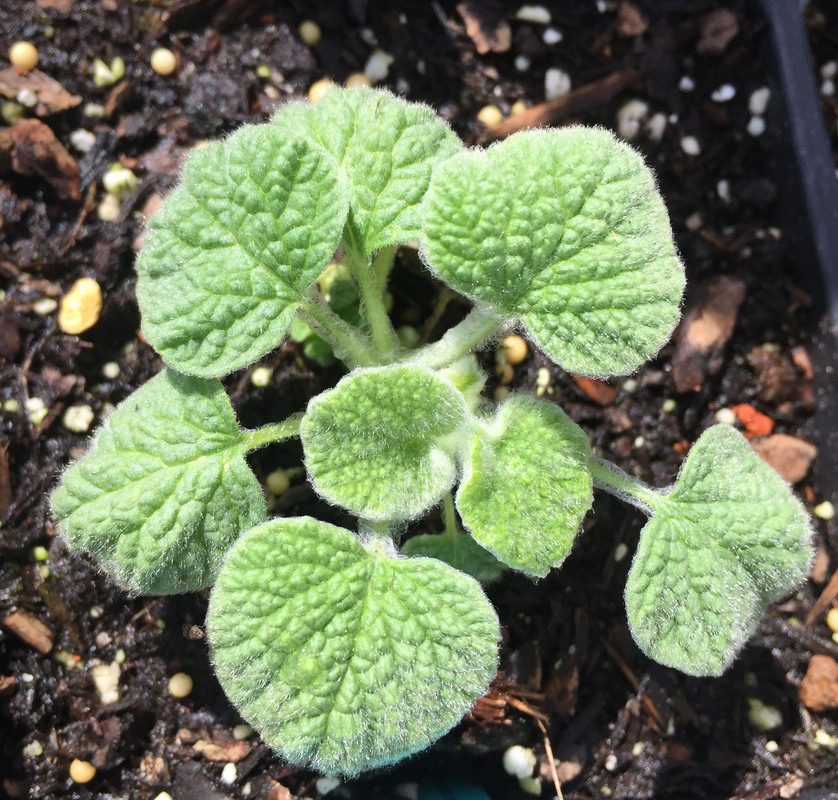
344,338
443,300
372,301
252,440
449,515
382,264
480,323
380,529
615,481
379,536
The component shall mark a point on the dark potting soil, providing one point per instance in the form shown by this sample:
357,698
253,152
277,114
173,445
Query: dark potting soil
620,726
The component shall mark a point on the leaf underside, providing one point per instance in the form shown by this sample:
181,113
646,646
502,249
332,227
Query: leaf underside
346,658
164,490
383,442
234,249
386,148
564,230
461,552
728,541
526,487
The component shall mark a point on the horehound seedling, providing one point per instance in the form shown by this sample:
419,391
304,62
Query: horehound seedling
344,653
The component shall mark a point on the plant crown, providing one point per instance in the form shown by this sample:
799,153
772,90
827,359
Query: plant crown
345,653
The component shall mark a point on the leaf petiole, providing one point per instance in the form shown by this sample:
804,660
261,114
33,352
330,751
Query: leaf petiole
479,325
372,299
615,481
382,265
348,342
372,530
450,516
268,434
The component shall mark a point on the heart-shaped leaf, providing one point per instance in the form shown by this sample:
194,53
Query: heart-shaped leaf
164,490
383,442
234,249
730,539
387,149
526,486
344,657
564,230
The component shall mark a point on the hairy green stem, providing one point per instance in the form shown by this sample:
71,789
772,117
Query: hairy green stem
252,440
615,481
480,323
372,301
381,529
443,300
449,515
382,264
346,340
379,535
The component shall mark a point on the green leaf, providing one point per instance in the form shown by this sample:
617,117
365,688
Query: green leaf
387,149
526,487
730,539
342,656
468,377
564,230
234,249
164,490
383,442
459,551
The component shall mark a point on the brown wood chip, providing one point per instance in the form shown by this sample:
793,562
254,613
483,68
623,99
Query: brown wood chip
819,687
278,791
485,27
718,29
229,751
830,591
5,479
599,391
790,456
118,97
801,360
592,95
33,150
9,334
704,331
190,782
52,96
62,6
29,628
777,376
566,771
630,21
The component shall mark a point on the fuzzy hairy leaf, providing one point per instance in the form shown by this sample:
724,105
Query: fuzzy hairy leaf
342,656
460,552
468,377
383,442
730,539
387,149
526,487
164,490
234,249
564,230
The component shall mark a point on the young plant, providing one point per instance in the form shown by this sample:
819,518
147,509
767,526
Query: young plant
343,652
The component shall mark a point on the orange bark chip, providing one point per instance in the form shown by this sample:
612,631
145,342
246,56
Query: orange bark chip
755,422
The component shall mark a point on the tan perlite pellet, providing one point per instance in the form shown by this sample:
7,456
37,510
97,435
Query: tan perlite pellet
23,56
82,771
515,349
80,307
